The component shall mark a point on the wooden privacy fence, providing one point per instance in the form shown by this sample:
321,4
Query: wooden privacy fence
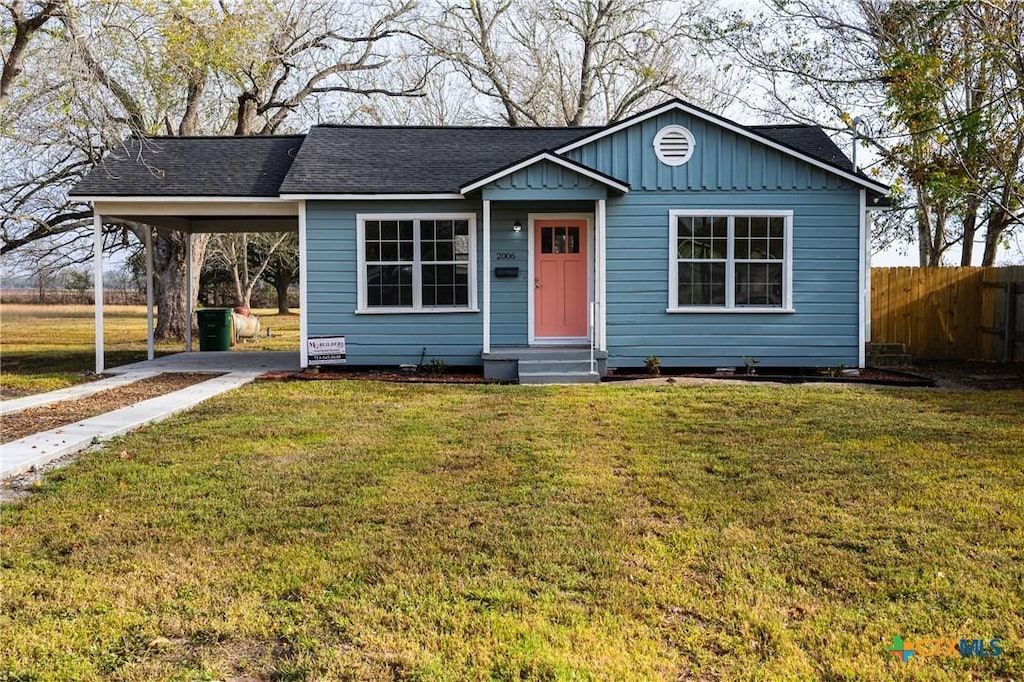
950,313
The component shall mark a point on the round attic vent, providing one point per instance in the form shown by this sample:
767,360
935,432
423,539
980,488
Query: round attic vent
673,145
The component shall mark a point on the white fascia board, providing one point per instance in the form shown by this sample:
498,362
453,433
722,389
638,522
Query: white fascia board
369,197
738,129
149,199
557,160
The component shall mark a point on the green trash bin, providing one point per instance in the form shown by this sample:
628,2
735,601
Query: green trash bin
214,328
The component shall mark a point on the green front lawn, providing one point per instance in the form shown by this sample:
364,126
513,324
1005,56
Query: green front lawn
48,347
357,530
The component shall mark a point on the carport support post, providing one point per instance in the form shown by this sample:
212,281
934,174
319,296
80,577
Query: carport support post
303,291
188,292
97,280
149,292
487,277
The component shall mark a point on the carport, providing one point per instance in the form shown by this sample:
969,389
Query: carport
195,186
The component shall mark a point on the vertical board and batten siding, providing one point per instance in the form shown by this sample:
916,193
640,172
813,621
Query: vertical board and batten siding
722,160
726,171
381,339
544,181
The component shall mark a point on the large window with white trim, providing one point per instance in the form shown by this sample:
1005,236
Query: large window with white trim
722,260
416,263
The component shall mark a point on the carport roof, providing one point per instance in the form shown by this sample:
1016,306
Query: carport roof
193,166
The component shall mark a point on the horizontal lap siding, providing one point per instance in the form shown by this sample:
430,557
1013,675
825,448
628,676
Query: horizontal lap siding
823,331
509,326
332,297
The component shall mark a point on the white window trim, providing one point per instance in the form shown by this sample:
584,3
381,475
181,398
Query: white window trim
730,269
361,306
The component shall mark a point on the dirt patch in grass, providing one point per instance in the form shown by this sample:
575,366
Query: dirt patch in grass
37,419
974,374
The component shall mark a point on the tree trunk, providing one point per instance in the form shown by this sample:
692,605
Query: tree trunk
998,222
282,280
169,270
970,231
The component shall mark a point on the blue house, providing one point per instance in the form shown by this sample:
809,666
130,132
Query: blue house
540,253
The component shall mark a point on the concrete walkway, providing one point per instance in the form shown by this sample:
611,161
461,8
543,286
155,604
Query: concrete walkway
73,392
260,361
21,455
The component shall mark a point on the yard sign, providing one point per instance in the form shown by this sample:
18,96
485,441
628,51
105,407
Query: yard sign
326,350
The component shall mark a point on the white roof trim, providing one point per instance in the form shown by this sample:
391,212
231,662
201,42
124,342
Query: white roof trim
153,199
557,160
370,197
739,130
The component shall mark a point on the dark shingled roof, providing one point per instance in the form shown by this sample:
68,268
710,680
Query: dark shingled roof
360,159
811,140
193,166
401,160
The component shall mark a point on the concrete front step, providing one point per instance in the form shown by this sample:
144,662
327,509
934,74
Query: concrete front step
557,378
544,364
581,365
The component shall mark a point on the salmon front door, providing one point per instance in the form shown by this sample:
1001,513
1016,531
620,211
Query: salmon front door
560,279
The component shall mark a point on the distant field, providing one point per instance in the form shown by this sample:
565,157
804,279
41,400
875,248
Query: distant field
46,347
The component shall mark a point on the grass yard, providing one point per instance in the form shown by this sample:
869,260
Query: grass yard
361,531
46,347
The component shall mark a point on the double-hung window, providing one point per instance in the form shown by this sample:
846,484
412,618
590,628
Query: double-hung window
416,263
729,260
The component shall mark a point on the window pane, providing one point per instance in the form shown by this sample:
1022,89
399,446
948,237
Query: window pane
444,251
461,228
445,285
461,247
405,230
742,227
707,236
388,285
546,239
758,248
759,284
574,240
776,248
758,227
427,229
701,284
777,226
684,228
388,240
445,229
559,240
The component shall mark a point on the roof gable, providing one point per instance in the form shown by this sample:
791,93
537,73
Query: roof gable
544,159
808,144
723,159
